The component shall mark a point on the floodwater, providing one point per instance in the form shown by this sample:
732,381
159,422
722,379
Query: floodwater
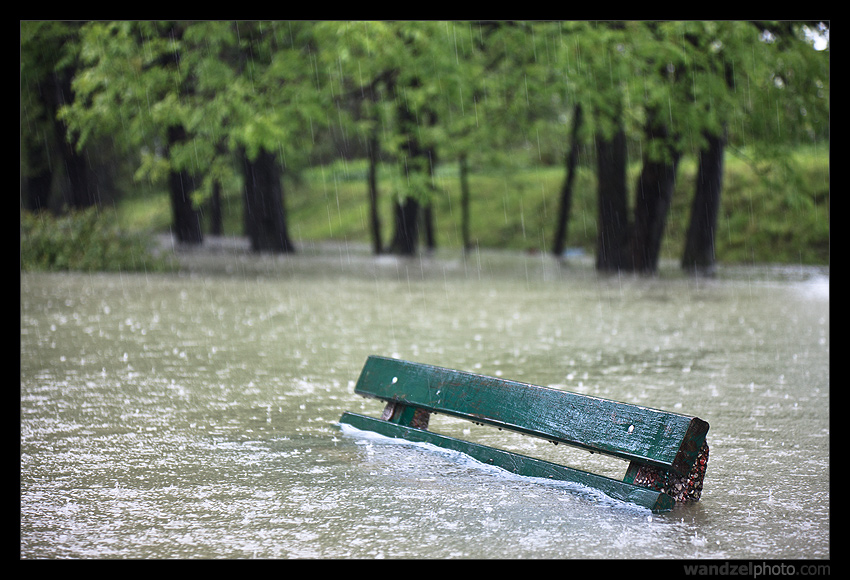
195,415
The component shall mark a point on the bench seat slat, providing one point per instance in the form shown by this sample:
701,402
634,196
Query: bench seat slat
517,463
649,436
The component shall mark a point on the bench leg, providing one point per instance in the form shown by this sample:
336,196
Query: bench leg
681,488
396,412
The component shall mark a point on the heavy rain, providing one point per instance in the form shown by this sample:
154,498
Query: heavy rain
221,221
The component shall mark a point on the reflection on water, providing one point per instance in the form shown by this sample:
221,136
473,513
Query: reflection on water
194,416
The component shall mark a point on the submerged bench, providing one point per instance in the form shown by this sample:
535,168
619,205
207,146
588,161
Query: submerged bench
668,453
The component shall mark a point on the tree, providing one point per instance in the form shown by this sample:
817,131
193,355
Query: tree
181,181
133,83
763,86
516,77
653,196
399,73
419,66
358,61
417,161
675,87
49,61
608,72
661,143
271,102
559,243
613,236
699,253
194,96
265,216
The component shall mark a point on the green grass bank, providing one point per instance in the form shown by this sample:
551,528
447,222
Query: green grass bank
769,213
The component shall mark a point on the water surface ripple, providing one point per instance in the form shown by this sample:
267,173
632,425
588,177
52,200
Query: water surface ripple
194,415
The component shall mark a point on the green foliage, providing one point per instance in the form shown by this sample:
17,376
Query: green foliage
268,84
84,241
47,49
233,87
776,213
498,93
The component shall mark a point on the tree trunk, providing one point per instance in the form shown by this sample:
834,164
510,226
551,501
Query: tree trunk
216,227
653,194
463,161
566,201
418,162
78,192
53,161
428,224
613,220
699,254
406,226
216,218
264,208
39,179
374,216
181,184
187,220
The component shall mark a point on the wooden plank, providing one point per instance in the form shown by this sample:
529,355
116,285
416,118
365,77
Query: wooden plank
516,463
657,438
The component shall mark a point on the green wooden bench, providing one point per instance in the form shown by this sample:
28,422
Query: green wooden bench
668,453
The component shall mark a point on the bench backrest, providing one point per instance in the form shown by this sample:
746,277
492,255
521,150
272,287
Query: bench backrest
669,441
